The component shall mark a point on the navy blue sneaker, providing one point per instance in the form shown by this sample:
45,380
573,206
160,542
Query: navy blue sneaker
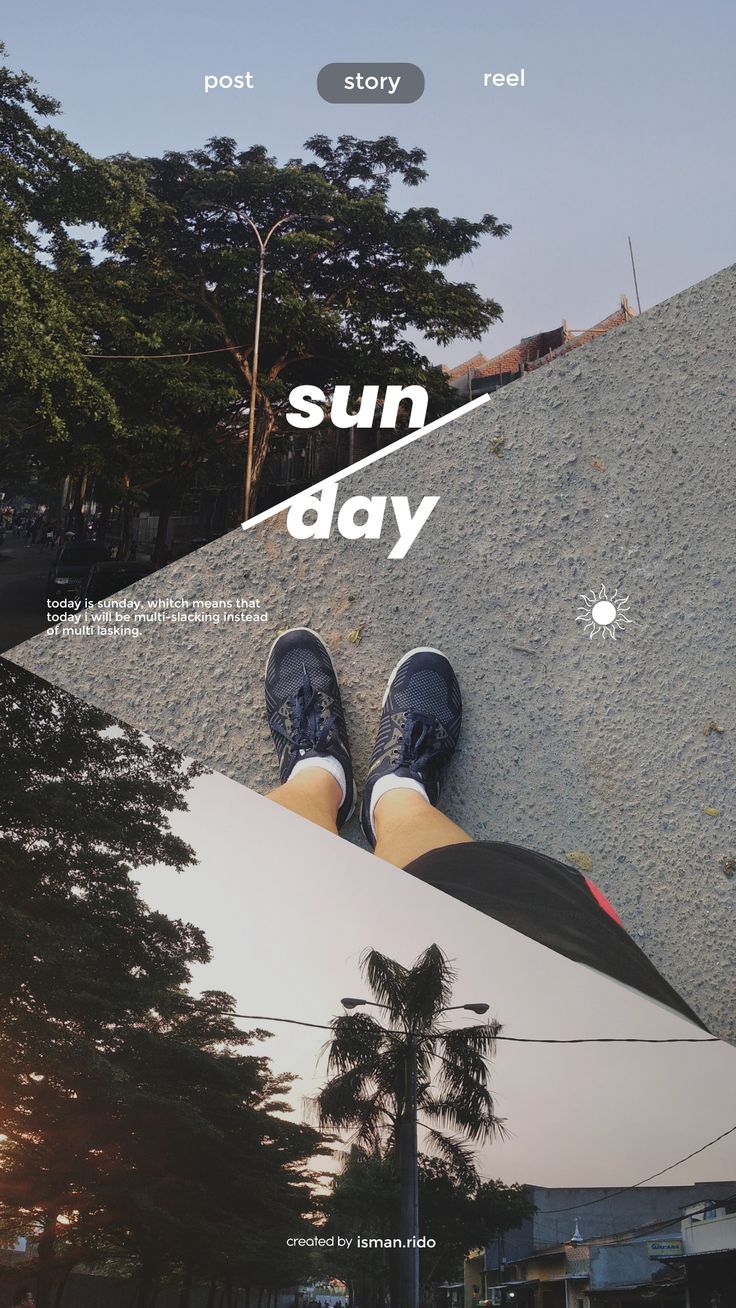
304,708
419,727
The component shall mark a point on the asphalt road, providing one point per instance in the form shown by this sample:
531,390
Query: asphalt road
22,590
614,465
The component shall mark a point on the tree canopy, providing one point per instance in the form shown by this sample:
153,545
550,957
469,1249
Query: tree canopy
366,1091
156,257
348,276
134,1124
459,1212
50,400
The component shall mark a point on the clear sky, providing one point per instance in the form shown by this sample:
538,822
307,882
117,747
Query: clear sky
288,910
625,124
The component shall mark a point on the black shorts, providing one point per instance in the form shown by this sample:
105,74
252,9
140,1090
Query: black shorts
549,902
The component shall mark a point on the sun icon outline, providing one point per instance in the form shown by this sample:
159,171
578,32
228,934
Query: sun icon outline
603,613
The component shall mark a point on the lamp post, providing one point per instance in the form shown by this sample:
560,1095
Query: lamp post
262,247
325,220
408,1154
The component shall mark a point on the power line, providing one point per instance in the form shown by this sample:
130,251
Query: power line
611,1040
612,1194
527,1040
184,354
648,1228
292,1021
624,1189
661,1223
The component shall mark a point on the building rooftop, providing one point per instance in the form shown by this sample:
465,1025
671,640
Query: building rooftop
533,351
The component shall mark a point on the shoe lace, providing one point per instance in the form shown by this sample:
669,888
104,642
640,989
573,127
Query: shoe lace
307,720
416,748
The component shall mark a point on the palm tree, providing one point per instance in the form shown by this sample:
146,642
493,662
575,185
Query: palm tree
387,1078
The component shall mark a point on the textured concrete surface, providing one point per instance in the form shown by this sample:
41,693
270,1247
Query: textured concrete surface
612,466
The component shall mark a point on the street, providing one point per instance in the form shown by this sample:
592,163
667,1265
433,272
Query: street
22,590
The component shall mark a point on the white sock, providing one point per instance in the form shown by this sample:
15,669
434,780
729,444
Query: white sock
328,764
392,782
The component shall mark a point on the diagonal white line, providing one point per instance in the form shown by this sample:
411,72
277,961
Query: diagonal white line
364,463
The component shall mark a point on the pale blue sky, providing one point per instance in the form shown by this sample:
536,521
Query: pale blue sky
624,126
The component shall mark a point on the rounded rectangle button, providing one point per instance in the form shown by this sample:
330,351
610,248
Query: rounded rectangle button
370,83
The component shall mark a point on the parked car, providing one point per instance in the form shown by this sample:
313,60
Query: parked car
107,578
69,574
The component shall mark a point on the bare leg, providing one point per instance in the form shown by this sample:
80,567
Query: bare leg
407,826
313,794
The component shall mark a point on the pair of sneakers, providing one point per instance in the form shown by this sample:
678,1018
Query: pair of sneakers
417,733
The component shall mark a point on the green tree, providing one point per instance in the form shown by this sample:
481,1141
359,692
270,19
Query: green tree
459,1211
463,1212
51,404
180,418
348,277
218,1179
364,1201
366,1091
132,1124
82,955
105,259
386,1078
140,432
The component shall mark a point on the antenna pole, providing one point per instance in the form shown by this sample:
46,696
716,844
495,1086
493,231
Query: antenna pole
633,269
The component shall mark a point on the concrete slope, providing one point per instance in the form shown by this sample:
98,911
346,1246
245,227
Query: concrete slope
612,466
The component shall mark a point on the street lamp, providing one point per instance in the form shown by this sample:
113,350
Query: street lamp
408,1151
480,1009
263,241
262,247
